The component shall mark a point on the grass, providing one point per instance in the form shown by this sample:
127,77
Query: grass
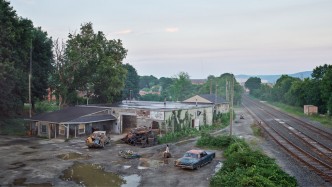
298,111
244,166
256,130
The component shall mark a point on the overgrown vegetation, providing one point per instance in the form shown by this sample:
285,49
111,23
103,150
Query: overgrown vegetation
256,130
188,132
243,166
14,127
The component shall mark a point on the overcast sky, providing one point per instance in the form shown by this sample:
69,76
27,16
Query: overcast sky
206,37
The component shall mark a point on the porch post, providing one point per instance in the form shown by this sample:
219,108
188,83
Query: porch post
54,130
75,131
68,131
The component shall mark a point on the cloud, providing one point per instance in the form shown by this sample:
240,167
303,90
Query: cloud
127,31
172,29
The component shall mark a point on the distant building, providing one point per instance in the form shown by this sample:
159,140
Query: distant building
310,109
219,103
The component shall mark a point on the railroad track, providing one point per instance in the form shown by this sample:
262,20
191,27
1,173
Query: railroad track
307,143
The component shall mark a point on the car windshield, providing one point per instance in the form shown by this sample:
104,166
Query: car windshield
192,155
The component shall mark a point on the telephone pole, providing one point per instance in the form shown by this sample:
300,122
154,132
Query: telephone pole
231,108
30,75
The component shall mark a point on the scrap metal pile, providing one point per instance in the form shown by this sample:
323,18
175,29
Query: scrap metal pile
142,136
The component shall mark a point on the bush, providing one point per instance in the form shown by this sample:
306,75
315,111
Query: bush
218,142
245,167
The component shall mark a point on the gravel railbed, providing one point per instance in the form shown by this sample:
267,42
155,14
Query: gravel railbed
304,177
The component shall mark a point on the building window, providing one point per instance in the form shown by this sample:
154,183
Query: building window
43,129
61,130
81,129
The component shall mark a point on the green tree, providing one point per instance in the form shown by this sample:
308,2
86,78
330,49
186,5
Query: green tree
90,64
147,81
17,38
181,87
281,87
131,88
42,63
253,83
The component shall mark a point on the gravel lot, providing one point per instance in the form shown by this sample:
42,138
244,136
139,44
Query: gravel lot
39,162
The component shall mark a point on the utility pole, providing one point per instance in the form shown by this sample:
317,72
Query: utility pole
231,109
226,90
215,99
210,87
30,76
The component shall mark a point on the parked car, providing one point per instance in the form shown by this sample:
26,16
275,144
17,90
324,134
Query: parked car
195,159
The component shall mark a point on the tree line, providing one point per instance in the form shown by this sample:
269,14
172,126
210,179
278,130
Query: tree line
316,90
180,87
86,68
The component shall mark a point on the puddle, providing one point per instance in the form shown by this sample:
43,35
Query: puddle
184,142
131,180
21,182
126,167
72,156
218,167
91,175
148,163
17,165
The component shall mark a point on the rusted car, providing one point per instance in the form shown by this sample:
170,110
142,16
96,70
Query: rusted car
194,159
98,139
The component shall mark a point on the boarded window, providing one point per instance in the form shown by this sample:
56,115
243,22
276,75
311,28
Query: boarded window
62,130
81,129
43,129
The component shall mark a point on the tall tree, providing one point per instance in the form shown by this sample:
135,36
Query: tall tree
253,83
181,87
42,63
17,38
147,81
92,65
131,88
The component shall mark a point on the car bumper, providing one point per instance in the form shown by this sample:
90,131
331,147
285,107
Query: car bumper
185,166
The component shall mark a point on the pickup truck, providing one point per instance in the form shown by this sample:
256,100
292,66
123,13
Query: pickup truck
194,159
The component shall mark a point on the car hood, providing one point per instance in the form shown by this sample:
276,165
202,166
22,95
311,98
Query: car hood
187,160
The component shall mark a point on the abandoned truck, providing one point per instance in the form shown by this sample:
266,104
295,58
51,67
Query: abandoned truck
98,139
194,159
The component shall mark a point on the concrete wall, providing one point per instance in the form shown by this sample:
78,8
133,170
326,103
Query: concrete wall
178,119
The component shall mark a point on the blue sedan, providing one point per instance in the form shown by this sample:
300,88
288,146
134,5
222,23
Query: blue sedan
195,159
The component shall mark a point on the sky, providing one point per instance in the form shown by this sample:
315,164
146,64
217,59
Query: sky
202,38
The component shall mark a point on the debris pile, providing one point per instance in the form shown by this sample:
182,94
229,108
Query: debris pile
128,154
97,139
142,136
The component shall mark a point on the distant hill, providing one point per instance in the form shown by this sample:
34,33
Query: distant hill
273,78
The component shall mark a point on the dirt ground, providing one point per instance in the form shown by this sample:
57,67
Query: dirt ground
40,162
27,161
